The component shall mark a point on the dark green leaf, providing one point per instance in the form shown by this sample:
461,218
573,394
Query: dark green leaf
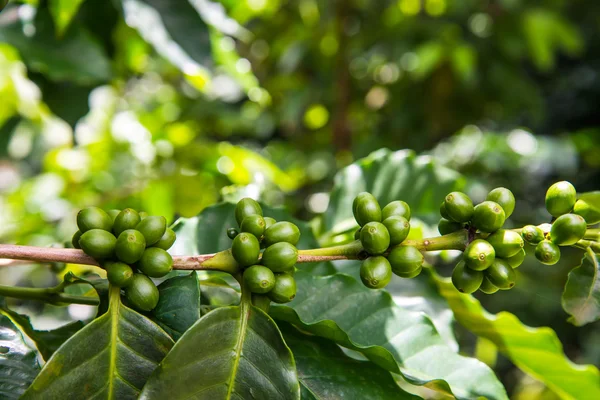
341,309
232,352
18,363
325,372
207,233
74,284
97,362
389,176
47,342
581,298
63,12
536,351
178,306
217,292
77,57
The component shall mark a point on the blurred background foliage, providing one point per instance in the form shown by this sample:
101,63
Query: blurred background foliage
172,105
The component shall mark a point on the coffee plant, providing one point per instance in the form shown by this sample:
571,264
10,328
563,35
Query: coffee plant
267,313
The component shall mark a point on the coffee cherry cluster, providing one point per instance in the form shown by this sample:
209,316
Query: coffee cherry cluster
130,246
571,218
379,230
488,262
272,273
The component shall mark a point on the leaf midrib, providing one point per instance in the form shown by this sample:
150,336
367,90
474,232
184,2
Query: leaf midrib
244,314
115,303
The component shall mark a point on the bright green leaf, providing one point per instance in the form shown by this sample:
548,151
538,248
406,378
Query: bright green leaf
63,12
232,352
341,309
536,351
97,361
581,298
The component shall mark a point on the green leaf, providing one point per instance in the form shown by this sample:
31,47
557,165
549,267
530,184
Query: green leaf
178,305
217,292
97,362
77,57
536,351
231,352
325,372
47,342
207,233
341,309
176,31
18,363
581,297
389,176
62,12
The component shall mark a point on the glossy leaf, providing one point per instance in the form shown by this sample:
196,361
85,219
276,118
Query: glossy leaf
581,297
536,351
341,309
232,352
389,176
207,233
176,31
18,363
216,292
325,372
47,342
98,360
178,305
76,57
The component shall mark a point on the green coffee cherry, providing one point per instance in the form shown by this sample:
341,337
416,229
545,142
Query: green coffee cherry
130,246
445,227
254,224
568,229
459,207
590,213
143,215
142,293
405,260
259,279
505,198
560,198
246,207
284,290
155,262
488,216
245,249
412,274
532,234
396,208
488,287
366,209
516,260
479,255
167,240
58,267
465,279
280,257
547,252
398,227
153,228
98,243
93,218
283,231
357,234
118,273
269,221
75,240
113,214
501,274
127,219
232,233
506,243
376,272
375,238
443,212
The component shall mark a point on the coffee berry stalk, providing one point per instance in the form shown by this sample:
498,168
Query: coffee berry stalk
263,257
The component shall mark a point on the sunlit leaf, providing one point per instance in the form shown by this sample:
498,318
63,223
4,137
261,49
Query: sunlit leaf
581,298
62,12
